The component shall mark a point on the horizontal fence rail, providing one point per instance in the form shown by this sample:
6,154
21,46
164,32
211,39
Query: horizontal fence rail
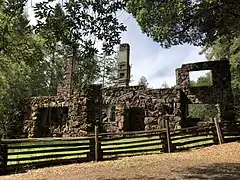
129,146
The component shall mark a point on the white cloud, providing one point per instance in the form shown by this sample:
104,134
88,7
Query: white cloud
150,60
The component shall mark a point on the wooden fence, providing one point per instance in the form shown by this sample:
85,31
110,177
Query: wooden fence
38,152
166,140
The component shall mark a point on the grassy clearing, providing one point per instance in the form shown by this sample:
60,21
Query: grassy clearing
150,145
15,155
202,140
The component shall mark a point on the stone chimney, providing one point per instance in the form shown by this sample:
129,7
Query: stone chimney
123,65
65,87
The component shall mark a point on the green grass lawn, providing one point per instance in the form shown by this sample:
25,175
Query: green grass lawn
150,145
36,151
202,140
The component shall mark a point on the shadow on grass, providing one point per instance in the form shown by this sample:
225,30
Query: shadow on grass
226,171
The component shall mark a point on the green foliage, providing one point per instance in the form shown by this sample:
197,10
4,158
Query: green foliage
97,69
80,24
202,80
21,67
174,22
21,81
17,41
203,111
107,74
226,48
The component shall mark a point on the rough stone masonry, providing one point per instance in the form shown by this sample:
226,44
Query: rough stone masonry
74,112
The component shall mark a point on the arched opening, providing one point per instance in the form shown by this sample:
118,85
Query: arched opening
134,119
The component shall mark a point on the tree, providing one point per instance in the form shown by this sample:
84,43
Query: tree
17,42
227,48
107,74
27,66
205,80
78,26
31,61
143,81
174,22
22,80
164,85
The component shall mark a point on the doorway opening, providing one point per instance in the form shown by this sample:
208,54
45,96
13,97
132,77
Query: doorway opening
49,118
134,119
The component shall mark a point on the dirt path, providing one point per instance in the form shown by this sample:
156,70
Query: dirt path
217,162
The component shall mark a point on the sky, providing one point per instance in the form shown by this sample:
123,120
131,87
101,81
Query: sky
148,58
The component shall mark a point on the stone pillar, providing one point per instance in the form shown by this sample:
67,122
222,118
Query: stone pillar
65,88
84,110
94,105
178,109
123,65
182,78
32,123
221,76
120,118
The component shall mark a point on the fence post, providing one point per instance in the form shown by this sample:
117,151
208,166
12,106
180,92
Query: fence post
166,138
3,157
96,132
169,143
95,153
219,132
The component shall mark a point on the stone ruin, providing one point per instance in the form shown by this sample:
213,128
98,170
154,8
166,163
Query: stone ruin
75,112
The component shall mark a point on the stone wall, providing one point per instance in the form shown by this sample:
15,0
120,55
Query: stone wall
219,93
158,104
125,108
84,108
172,103
31,123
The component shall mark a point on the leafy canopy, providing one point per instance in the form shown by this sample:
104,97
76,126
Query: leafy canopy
17,43
225,47
80,24
198,22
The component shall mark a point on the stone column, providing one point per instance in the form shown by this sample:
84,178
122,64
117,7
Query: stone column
32,122
182,78
120,117
65,88
123,65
